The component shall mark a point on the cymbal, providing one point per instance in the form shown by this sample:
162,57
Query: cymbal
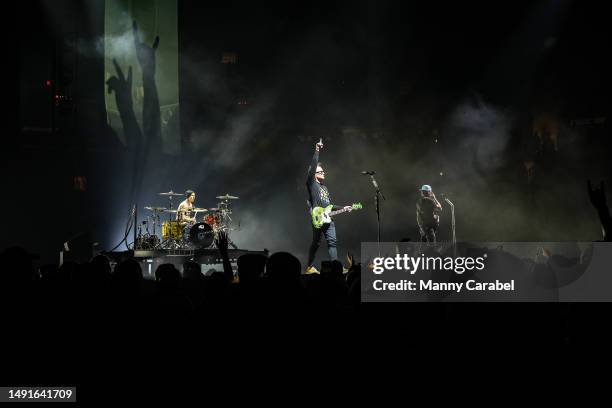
213,209
171,193
158,209
187,211
227,197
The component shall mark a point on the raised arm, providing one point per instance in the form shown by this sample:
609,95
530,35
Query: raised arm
313,163
436,202
222,242
151,113
145,54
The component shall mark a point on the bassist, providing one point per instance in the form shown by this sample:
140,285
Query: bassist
319,197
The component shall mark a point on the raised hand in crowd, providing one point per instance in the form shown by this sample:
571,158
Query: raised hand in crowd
222,241
597,196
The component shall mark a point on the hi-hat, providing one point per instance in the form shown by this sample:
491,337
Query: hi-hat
198,210
227,197
171,194
156,209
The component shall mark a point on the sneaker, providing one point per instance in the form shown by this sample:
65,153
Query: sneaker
311,270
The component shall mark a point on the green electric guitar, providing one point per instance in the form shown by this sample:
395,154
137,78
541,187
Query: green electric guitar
322,215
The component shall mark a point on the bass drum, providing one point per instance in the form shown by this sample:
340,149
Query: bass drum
201,235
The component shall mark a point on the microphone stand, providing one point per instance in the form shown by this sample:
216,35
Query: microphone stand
135,214
377,203
452,206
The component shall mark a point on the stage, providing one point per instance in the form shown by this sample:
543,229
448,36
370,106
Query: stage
208,259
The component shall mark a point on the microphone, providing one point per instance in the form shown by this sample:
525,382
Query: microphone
368,173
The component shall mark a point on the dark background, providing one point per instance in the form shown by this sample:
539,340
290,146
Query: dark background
421,92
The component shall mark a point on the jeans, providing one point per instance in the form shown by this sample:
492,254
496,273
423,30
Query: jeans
428,233
329,230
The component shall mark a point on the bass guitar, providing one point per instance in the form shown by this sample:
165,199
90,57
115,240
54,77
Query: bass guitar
322,215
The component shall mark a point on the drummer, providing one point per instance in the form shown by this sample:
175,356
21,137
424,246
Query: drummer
184,213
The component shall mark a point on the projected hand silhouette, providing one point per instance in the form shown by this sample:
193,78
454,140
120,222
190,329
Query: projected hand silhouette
122,87
151,115
144,53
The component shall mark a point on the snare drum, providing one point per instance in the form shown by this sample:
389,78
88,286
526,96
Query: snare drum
172,230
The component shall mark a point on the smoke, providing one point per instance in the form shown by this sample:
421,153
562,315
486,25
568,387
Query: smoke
484,129
269,228
319,79
233,145
117,45
261,151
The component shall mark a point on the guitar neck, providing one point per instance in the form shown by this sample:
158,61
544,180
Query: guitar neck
338,211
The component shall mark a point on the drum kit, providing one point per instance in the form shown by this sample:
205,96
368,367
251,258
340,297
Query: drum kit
185,235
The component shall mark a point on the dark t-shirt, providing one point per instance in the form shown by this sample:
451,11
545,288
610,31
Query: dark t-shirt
318,194
427,212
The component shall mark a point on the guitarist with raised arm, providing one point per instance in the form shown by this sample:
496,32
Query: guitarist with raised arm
320,208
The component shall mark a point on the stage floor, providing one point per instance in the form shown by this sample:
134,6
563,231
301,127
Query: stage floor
151,259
